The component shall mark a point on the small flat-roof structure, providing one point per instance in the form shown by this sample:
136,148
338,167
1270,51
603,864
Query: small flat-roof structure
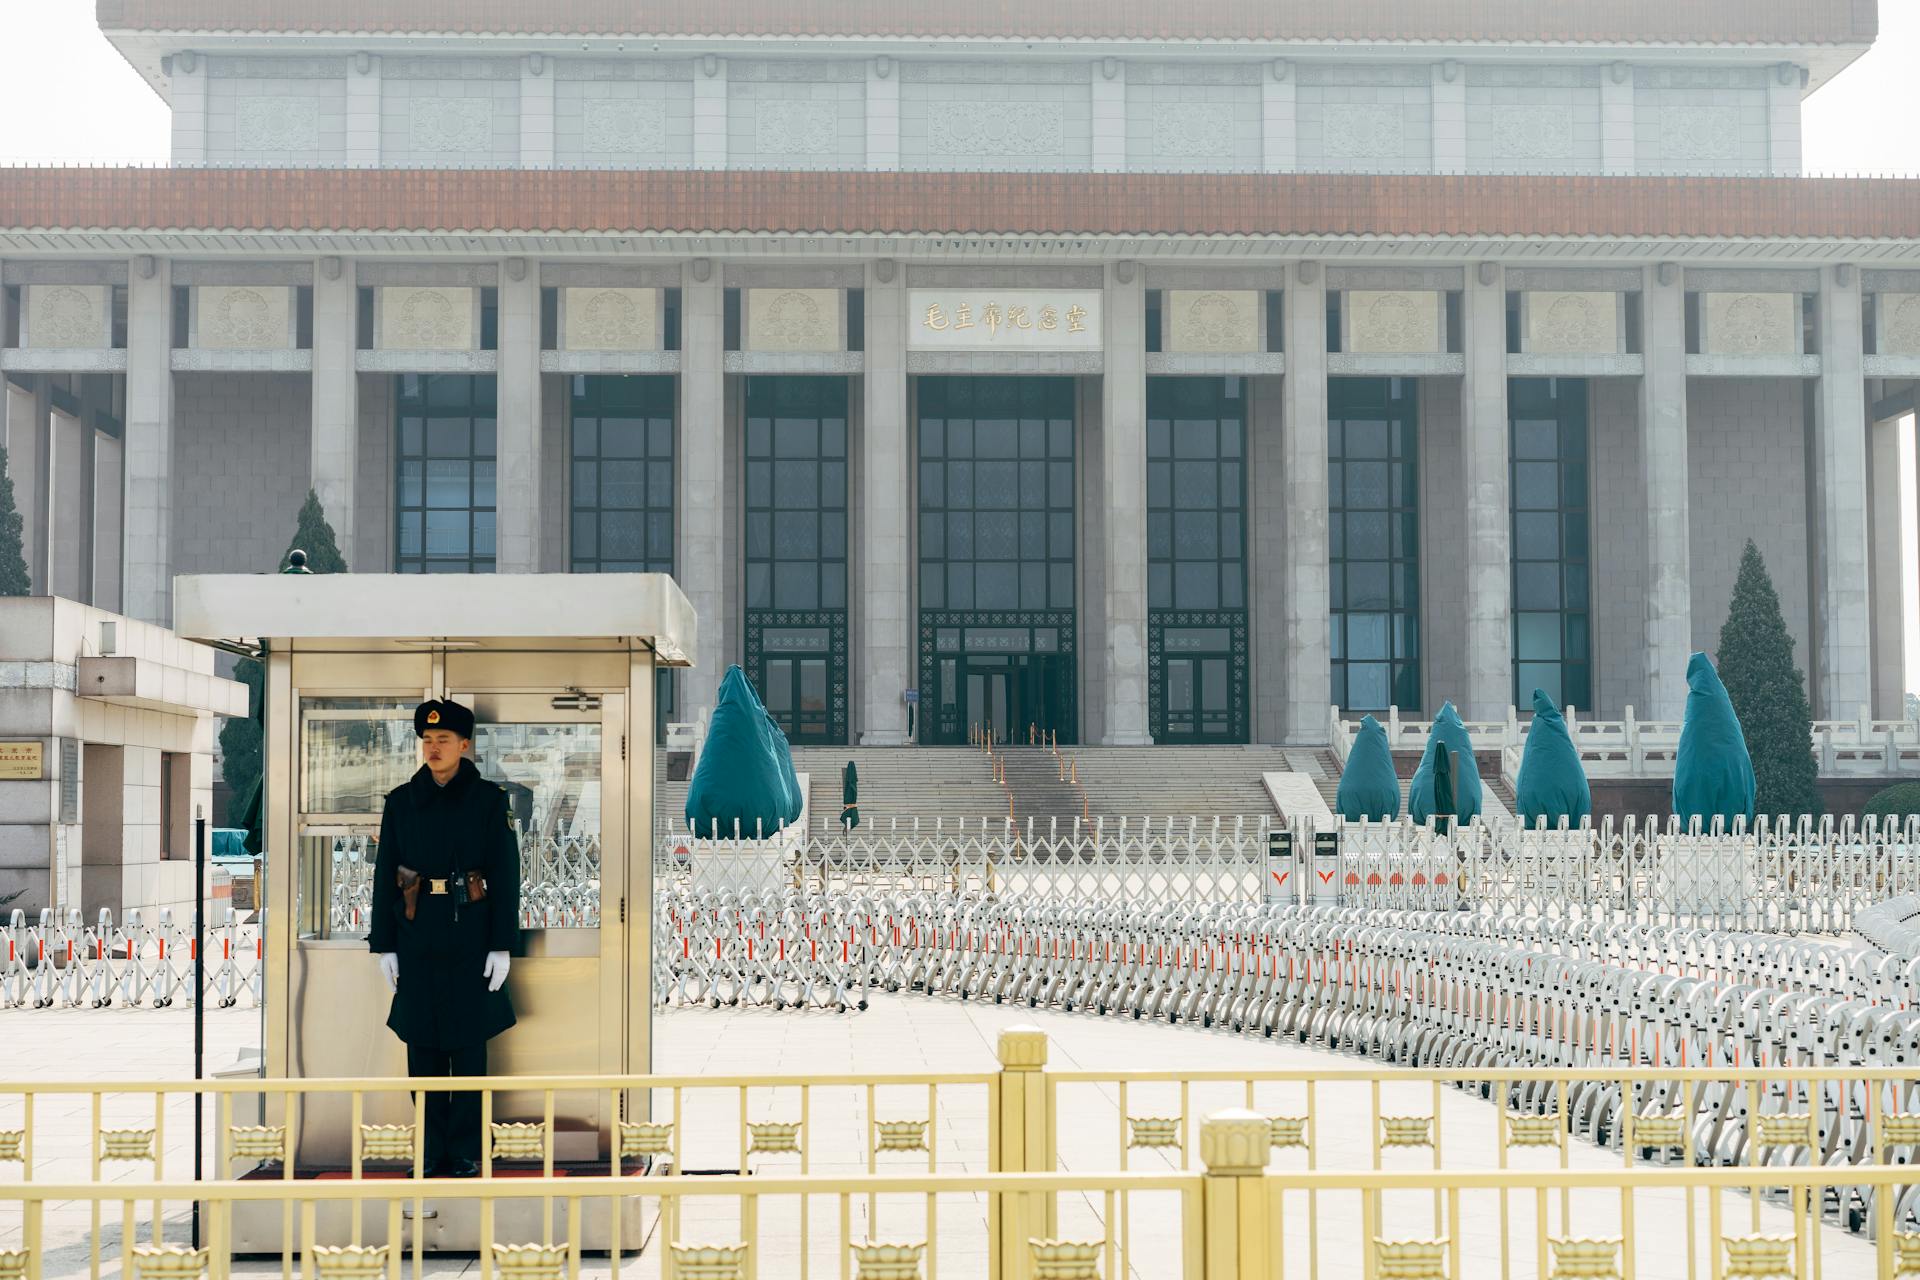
560,672
390,612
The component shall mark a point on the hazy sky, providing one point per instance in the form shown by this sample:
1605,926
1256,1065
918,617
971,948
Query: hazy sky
67,97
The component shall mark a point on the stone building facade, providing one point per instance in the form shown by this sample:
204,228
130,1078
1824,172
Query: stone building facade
1131,371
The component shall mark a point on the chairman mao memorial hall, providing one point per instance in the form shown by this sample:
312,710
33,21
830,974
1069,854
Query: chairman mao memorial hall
1118,371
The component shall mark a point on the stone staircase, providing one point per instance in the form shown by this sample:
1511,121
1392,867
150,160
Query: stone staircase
948,783
1161,782
1037,791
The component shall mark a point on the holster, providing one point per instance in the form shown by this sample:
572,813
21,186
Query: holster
409,883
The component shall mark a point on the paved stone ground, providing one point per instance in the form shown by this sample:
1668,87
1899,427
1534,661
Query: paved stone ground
905,1035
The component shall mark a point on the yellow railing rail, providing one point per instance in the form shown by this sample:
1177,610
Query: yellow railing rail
1023,1118
1234,1220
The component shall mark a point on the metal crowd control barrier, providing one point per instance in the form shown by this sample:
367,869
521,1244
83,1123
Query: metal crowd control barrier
1231,1219
67,963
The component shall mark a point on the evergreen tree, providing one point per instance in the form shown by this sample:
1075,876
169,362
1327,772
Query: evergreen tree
14,580
240,739
1768,693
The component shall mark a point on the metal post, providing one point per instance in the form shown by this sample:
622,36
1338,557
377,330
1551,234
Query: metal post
199,1001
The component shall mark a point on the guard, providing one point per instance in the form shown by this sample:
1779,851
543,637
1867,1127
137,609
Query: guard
446,911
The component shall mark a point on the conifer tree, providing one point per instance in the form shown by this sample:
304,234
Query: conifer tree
240,738
14,579
1768,693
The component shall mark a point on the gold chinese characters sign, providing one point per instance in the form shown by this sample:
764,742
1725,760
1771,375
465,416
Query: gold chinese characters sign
22,761
1004,320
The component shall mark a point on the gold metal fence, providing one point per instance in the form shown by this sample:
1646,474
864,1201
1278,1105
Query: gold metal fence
1230,1219
1023,1118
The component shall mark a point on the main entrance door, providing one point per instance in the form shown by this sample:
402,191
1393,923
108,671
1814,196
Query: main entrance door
995,496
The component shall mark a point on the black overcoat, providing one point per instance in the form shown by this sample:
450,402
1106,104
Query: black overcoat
443,1001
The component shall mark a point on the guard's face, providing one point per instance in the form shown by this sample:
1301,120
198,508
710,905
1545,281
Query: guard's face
441,747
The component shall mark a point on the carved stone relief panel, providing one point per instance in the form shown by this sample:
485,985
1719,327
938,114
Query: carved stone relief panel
1572,324
68,316
1700,133
277,124
795,127
450,124
1211,320
623,126
1750,324
1395,322
1363,130
1533,133
1197,130
793,320
609,320
1897,324
422,318
243,317
1016,129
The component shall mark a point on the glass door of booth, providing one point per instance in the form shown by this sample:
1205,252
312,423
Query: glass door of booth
559,758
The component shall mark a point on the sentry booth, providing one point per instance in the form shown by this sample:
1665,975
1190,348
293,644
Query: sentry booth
560,672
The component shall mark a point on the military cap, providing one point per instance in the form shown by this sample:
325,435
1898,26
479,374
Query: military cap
438,713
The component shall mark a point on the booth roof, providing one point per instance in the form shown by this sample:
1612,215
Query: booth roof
376,607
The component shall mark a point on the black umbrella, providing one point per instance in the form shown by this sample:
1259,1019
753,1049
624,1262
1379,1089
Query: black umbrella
850,797
1444,805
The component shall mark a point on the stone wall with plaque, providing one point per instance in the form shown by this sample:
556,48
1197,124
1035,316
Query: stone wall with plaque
1004,319
242,317
1393,322
1750,324
1211,321
22,761
1571,324
794,320
426,318
609,319
67,316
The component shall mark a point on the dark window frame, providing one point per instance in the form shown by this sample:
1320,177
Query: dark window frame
419,401
1373,576
1536,408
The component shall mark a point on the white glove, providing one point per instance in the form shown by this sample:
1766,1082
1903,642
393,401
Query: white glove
496,970
390,969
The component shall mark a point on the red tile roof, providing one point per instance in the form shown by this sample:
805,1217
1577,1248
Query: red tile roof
403,200
1793,22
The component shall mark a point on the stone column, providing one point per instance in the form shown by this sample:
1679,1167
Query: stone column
883,113
1616,119
1783,121
1109,90
1483,465
336,399
700,456
710,113
1841,665
1449,117
1668,637
1887,560
1123,452
149,435
363,111
187,95
885,640
536,112
1304,576
1278,121
519,419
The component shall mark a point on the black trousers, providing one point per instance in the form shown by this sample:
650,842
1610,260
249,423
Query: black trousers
453,1119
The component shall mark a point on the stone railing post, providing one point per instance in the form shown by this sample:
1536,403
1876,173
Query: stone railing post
1022,1143
1236,1244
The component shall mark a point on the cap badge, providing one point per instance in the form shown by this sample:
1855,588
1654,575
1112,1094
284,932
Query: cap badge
433,717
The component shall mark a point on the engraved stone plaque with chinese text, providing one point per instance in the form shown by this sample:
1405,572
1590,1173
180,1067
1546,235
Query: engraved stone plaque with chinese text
1004,320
